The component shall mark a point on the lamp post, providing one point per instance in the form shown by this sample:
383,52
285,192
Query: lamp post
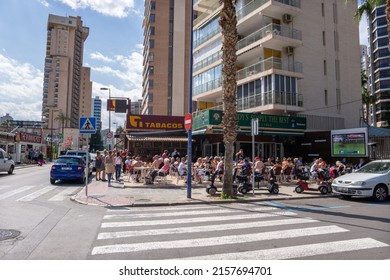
109,113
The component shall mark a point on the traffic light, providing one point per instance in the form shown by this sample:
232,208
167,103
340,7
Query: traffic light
117,105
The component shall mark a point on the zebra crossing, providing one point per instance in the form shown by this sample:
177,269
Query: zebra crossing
30,193
239,231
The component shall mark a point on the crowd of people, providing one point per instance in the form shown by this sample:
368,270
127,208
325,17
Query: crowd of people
112,164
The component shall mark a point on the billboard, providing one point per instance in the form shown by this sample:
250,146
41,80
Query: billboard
117,105
349,142
154,122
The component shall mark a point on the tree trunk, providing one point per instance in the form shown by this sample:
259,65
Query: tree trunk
228,22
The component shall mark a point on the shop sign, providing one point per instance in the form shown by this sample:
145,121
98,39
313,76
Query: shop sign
214,118
153,122
29,137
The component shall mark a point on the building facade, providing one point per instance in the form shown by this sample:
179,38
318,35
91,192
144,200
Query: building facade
67,88
166,57
380,73
294,58
97,112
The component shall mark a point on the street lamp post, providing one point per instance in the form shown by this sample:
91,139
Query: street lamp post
109,113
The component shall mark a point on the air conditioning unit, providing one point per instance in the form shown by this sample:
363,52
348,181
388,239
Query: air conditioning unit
290,50
287,18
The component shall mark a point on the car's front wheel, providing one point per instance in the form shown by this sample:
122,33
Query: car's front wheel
380,193
11,170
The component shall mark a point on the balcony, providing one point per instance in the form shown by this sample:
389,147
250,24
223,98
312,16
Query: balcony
271,65
271,102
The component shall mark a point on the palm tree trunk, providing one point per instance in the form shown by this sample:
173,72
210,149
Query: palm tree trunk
228,22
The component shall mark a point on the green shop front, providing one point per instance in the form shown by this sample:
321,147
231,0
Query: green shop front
277,134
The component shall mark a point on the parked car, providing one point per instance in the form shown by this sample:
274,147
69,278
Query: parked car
68,167
6,162
372,180
93,160
84,155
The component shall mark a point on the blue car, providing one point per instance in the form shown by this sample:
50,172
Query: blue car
68,168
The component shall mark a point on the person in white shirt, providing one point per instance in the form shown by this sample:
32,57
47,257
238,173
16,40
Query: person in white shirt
182,169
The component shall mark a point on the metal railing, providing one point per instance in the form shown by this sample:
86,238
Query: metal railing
255,4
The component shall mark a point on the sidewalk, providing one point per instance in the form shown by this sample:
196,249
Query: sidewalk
169,194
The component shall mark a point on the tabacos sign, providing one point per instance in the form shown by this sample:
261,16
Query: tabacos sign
152,122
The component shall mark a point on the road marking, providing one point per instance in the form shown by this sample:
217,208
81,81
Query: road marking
36,194
298,251
64,194
213,241
297,208
210,218
5,187
13,192
187,213
206,228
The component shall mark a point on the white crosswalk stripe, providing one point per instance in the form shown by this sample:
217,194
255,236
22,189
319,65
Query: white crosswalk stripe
34,195
15,192
64,194
198,229
299,251
32,192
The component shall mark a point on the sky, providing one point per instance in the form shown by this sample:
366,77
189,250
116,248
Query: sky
113,51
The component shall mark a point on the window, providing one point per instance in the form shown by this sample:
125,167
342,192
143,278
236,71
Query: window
336,41
151,56
338,99
150,97
151,70
151,84
337,69
323,38
322,9
152,18
151,44
325,72
152,30
326,97
153,5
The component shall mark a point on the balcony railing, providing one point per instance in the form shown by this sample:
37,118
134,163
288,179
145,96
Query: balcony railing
272,28
264,65
270,98
267,64
255,4
207,36
207,61
207,86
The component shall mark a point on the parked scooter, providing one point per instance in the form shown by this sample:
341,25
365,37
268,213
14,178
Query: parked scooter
324,186
245,185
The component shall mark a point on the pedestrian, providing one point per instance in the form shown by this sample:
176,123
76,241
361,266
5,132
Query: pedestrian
98,166
118,166
103,166
110,168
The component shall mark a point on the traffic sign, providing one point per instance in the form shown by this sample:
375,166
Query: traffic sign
87,125
109,134
188,121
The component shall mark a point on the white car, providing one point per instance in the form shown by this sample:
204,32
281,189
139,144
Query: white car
6,162
372,180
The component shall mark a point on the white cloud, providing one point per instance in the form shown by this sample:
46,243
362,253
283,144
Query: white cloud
114,8
129,69
20,89
44,3
101,57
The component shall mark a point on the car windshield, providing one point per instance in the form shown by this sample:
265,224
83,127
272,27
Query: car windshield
70,160
375,167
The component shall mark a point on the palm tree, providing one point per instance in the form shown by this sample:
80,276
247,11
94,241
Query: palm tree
367,98
228,22
61,117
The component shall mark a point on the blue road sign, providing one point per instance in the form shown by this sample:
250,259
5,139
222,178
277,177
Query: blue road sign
87,125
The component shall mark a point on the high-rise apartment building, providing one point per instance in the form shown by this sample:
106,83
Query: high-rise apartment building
166,57
67,88
97,112
380,71
296,58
